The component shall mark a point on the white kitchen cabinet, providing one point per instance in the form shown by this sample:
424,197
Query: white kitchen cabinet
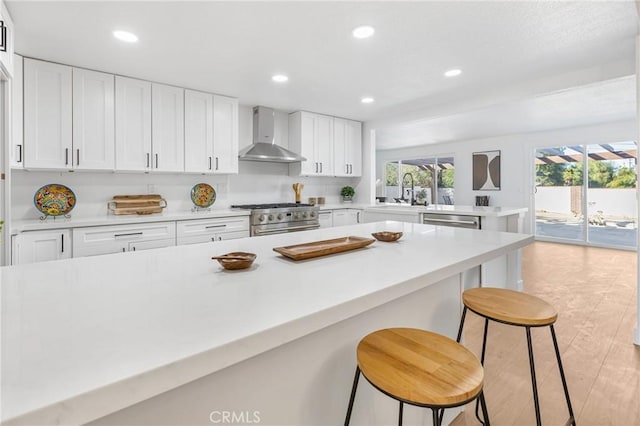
167,128
40,246
347,147
410,216
47,115
344,217
133,124
225,134
16,148
311,135
198,132
96,240
68,117
6,53
326,219
211,230
93,120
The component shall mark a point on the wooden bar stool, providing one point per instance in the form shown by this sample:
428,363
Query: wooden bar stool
522,310
420,368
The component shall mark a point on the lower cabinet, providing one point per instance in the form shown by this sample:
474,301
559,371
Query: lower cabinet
326,219
344,217
211,230
40,246
96,240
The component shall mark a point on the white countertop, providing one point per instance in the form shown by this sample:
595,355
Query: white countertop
85,337
449,209
18,226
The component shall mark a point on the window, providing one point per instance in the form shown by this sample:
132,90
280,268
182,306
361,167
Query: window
424,181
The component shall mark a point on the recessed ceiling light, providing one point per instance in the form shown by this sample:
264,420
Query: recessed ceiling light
453,73
363,31
125,36
280,78
367,100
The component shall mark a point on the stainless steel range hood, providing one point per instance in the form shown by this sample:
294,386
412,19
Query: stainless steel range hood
264,147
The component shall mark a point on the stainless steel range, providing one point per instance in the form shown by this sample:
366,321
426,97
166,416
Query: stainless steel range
278,218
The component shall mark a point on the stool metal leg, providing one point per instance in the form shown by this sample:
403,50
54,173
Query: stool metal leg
484,340
572,420
437,418
485,412
464,314
353,396
400,414
533,377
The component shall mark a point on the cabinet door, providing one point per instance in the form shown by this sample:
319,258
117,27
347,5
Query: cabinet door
324,145
93,120
326,219
6,55
225,134
47,115
340,162
198,132
167,128
307,125
133,124
40,246
16,152
147,245
353,147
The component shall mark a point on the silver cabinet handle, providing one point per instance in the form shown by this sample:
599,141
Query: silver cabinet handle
461,222
130,234
321,167
156,161
215,226
19,153
66,156
347,168
148,159
209,163
216,163
358,217
78,157
61,243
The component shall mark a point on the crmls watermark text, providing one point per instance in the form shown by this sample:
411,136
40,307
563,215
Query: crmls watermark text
234,417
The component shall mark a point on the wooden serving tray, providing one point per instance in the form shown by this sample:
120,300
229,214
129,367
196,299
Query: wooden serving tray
323,248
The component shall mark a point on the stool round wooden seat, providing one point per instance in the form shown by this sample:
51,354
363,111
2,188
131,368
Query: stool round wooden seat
518,309
509,306
419,368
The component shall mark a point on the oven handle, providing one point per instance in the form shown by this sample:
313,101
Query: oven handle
283,230
457,222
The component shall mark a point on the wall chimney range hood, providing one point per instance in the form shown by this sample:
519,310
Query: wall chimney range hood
264,147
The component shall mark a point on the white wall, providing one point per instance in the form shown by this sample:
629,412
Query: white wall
516,163
256,182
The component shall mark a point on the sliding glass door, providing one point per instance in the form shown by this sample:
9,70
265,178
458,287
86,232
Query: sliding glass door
587,199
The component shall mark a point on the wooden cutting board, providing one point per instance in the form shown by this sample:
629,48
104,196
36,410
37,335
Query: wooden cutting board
137,204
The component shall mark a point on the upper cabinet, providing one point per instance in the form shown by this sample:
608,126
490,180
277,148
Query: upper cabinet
211,133
225,134
47,115
93,120
16,148
68,117
6,41
133,124
167,128
332,146
347,147
311,135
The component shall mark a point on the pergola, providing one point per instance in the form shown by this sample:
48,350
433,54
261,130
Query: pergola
556,156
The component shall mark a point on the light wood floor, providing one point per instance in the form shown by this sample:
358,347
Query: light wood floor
594,291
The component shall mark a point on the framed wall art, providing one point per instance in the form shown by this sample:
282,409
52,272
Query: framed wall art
486,171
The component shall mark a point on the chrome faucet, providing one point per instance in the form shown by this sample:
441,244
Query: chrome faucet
412,199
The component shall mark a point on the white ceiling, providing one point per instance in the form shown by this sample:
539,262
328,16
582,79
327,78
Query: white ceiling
234,48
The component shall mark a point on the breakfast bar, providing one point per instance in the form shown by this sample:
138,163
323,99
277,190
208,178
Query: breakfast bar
167,336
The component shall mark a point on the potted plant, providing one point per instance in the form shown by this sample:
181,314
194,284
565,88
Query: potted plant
347,193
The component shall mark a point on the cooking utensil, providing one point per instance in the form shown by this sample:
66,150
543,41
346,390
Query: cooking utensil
297,189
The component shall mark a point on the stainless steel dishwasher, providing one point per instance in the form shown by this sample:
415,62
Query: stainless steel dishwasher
455,220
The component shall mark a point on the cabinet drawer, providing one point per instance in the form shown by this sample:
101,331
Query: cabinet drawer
112,239
209,238
188,228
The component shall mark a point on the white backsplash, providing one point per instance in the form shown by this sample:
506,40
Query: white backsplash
255,183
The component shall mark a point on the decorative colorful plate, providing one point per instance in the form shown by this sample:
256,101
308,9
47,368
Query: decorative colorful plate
54,200
203,195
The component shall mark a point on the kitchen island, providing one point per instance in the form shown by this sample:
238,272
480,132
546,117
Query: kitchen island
166,336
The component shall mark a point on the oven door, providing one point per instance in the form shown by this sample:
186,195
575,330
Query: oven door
281,228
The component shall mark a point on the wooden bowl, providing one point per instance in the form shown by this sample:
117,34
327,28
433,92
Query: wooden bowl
387,236
236,260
